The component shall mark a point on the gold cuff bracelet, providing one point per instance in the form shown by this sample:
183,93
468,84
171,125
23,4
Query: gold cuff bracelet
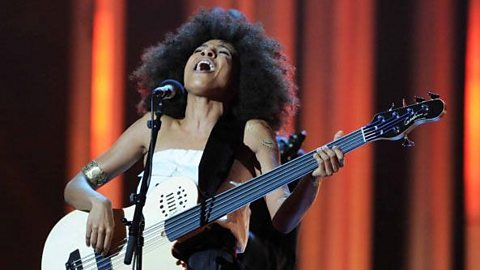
95,175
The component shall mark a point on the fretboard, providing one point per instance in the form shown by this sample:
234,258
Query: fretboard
224,203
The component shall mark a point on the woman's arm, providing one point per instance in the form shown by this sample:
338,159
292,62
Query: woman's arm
287,209
80,191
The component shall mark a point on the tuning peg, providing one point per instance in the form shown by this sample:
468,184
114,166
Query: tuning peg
391,107
433,95
419,99
407,142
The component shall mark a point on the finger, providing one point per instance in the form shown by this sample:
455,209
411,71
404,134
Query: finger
338,135
100,239
332,158
88,234
93,237
108,241
320,170
326,162
340,156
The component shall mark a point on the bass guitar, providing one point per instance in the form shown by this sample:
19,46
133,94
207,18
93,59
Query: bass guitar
171,210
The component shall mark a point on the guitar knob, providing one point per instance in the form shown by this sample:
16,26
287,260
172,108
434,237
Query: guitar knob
407,142
391,107
433,95
419,99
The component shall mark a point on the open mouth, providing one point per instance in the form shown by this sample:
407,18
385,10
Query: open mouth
204,66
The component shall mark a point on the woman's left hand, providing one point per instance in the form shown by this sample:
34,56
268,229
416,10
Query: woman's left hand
329,160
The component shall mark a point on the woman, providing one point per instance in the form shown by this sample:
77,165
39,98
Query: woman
238,82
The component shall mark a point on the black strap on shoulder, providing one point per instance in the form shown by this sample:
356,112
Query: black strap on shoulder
219,154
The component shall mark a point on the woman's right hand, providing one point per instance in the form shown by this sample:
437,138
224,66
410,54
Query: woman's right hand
100,226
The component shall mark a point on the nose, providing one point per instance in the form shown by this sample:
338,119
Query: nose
208,52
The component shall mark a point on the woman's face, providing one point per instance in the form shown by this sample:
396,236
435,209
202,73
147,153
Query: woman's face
209,70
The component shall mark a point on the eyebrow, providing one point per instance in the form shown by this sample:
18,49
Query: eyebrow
220,45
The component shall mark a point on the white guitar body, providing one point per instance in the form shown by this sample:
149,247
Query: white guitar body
66,241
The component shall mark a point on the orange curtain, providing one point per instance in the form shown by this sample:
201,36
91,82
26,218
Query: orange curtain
96,110
472,139
79,103
430,238
336,81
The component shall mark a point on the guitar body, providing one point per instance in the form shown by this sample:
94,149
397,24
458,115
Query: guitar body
66,241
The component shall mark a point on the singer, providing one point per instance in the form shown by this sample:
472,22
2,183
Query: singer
239,91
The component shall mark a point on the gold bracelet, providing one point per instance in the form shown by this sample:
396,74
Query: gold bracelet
95,175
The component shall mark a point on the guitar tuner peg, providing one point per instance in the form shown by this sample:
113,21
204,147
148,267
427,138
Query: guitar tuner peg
391,107
407,142
433,95
419,99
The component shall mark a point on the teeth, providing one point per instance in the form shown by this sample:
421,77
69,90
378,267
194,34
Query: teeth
212,67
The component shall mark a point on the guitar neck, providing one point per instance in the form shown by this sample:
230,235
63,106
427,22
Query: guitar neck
221,204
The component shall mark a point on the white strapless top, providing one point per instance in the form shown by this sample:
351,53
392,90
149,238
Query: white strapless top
174,162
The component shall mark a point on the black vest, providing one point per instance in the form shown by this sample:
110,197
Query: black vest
219,154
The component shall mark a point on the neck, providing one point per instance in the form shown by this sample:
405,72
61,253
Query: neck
201,114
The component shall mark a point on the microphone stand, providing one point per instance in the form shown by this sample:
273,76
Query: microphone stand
136,226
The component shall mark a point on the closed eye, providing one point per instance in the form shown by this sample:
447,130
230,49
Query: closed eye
225,52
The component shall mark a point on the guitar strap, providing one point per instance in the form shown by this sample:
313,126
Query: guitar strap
217,159
219,154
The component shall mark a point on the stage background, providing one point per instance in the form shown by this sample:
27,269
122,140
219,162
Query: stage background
66,96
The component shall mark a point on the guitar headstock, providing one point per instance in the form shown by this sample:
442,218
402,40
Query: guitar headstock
395,124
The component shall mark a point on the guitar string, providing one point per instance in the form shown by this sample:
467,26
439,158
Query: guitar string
149,247
306,170
117,254
389,124
218,202
393,122
147,232
107,260
160,242
246,185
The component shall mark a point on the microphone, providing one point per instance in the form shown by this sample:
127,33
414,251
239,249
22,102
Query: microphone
169,89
